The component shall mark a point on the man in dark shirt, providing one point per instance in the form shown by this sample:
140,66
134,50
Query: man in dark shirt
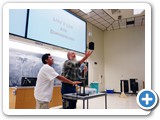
71,70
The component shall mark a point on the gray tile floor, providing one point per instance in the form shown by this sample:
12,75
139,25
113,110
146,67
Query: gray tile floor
114,101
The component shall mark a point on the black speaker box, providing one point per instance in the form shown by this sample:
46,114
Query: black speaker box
126,87
91,45
133,85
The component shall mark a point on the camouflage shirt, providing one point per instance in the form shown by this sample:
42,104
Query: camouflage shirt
71,70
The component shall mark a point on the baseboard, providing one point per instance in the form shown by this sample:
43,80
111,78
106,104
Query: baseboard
126,93
120,93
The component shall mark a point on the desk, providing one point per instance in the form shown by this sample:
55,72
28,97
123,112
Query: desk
74,96
23,97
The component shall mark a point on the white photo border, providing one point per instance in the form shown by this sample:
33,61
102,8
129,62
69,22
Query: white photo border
104,5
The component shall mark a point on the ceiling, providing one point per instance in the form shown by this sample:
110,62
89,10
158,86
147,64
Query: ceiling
111,19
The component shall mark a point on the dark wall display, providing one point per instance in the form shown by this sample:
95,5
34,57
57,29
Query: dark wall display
27,64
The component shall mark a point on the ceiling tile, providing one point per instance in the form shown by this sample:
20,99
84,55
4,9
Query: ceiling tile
92,14
80,13
105,20
139,18
100,20
115,22
130,19
115,27
132,25
138,24
96,17
103,29
143,22
138,21
85,16
94,22
107,17
98,24
123,26
105,23
102,14
90,19
110,28
110,21
98,11
75,10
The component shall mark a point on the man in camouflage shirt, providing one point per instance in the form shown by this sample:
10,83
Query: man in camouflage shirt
71,70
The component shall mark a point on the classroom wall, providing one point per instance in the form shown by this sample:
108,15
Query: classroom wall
96,71
124,56
118,54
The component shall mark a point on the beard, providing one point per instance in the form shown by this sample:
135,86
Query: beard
73,58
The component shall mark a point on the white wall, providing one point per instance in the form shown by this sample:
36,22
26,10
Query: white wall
124,54
38,47
96,71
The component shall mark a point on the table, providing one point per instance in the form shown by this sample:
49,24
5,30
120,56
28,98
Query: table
75,96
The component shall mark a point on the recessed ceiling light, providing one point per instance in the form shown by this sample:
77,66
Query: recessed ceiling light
137,11
86,10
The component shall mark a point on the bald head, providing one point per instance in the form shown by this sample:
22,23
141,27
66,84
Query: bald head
71,55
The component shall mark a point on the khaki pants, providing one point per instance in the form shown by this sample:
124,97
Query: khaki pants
42,105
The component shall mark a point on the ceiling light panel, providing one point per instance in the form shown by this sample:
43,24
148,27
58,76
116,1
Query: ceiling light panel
137,11
86,10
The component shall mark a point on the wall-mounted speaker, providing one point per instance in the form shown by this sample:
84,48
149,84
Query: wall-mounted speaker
91,45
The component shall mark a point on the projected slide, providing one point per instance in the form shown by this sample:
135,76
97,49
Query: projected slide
17,21
57,27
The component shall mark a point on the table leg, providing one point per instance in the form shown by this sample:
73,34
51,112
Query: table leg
83,104
105,101
87,103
